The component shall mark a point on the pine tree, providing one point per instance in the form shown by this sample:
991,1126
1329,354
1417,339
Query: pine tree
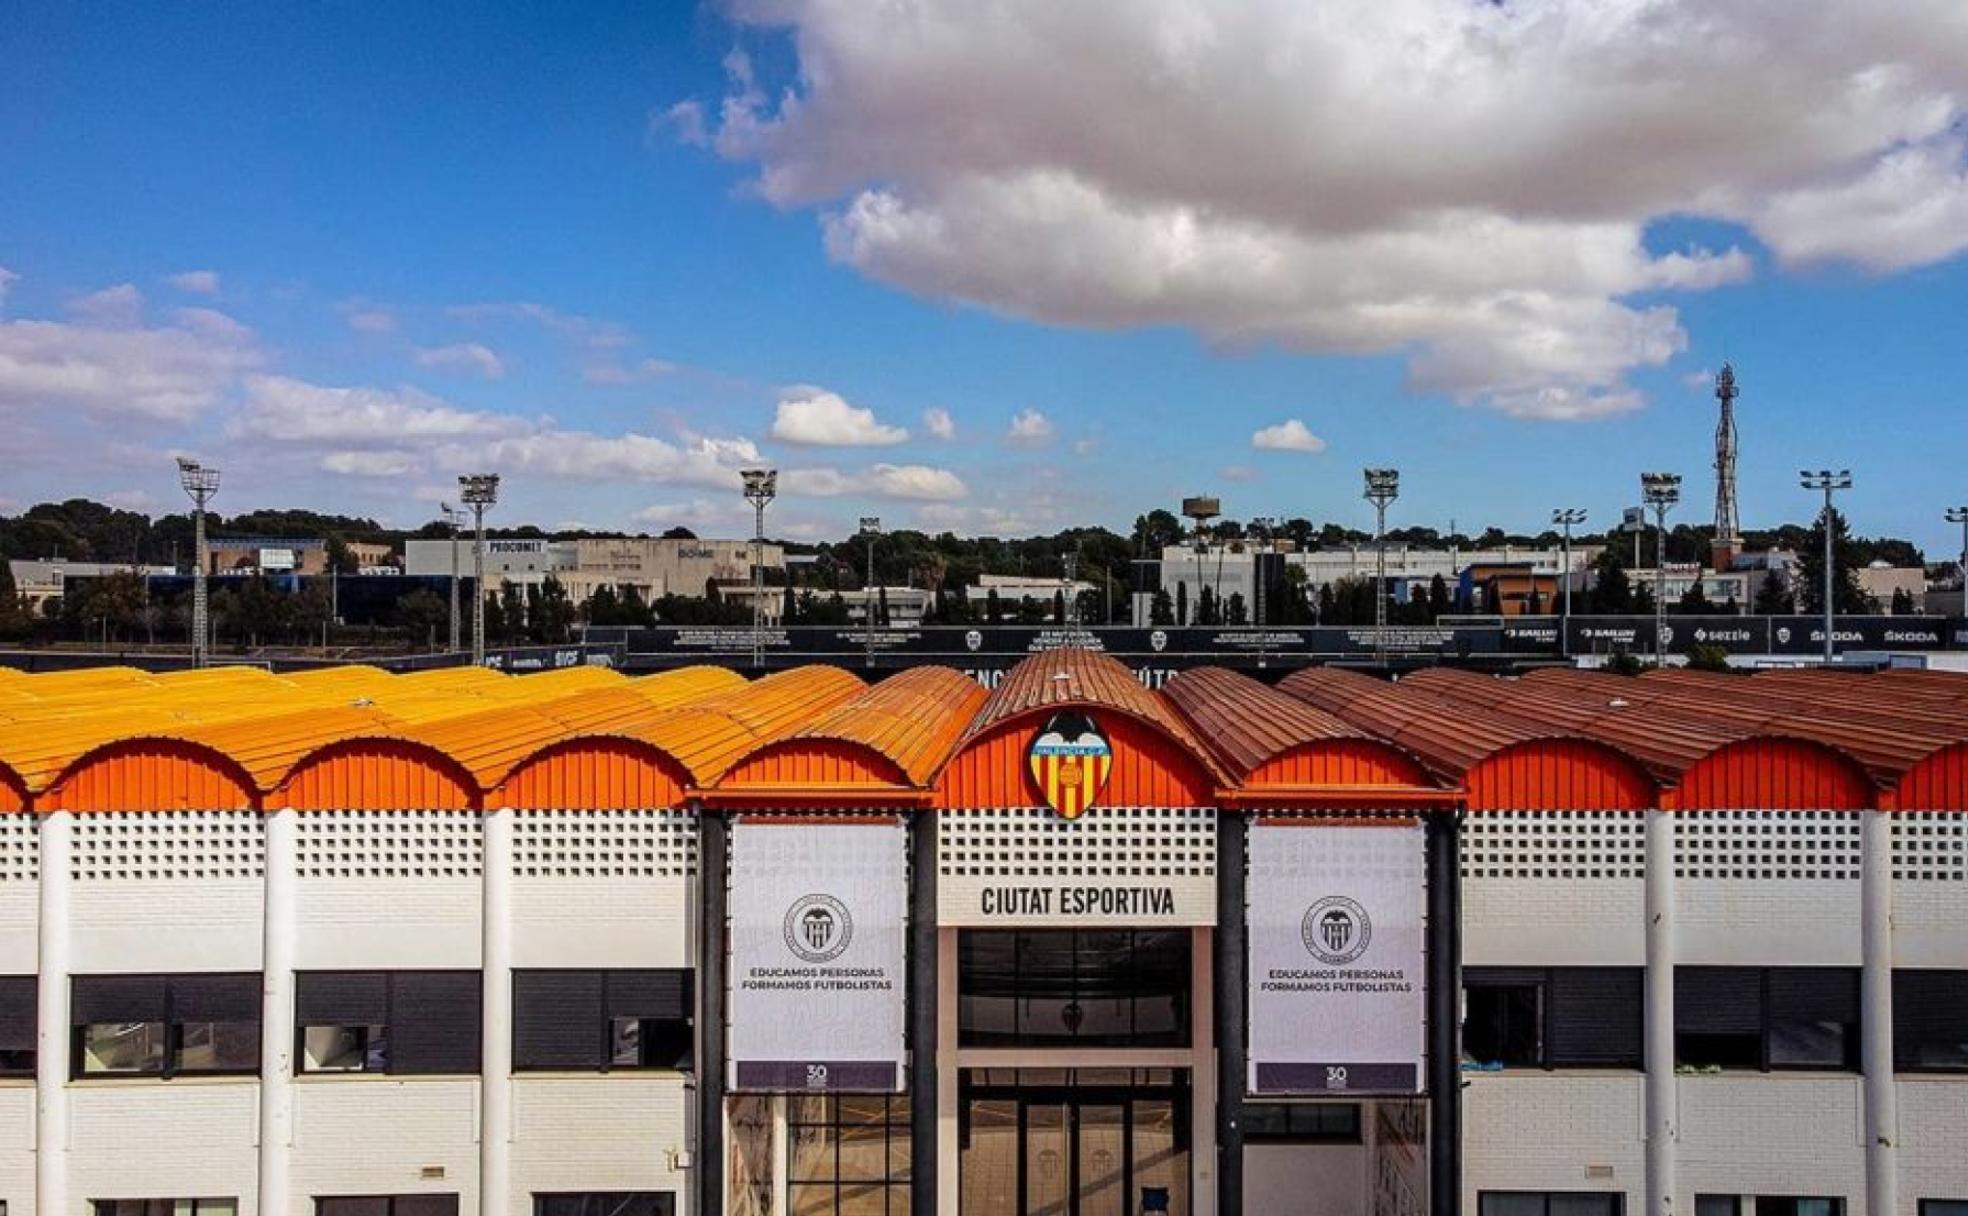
1846,595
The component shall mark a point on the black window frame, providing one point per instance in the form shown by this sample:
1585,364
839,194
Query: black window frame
1618,1198
392,980
107,1207
389,1202
1558,990
1837,1202
666,1201
171,1063
1297,1130
1930,1207
1733,1200
895,1127
1766,1022
20,1025
1020,994
1922,997
607,980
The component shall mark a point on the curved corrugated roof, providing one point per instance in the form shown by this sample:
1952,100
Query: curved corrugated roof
912,720
1247,722
706,737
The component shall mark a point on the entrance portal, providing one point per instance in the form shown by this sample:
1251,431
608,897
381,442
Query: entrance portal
1074,1150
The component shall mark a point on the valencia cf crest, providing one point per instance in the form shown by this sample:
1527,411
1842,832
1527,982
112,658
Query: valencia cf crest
1070,760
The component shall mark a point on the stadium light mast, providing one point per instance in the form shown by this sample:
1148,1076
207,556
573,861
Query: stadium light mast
1660,491
1959,515
1829,482
1383,487
1565,517
454,518
1199,511
870,529
202,484
479,492
761,487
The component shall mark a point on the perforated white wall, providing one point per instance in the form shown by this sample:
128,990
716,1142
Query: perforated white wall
1554,888
1930,890
199,872
20,848
165,846
981,853
1930,848
603,888
20,891
1768,888
389,888
389,844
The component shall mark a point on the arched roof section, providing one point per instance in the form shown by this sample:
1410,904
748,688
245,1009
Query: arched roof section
1265,738
13,791
1937,782
38,753
893,736
708,736
1158,760
684,684
377,772
267,748
595,772
1767,773
1503,760
151,773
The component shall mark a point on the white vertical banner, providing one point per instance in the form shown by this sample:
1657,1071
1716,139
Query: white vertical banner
819,916
1337,987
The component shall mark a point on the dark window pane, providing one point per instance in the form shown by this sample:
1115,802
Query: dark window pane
434,1022
344,1049
1718,1205
621,1203
19,1018
352,1205
1593,1017
1510,1203
1930,1020
1091,988
649,994
1501,1025
1718,1017
1944,1207
425,1205
215,998
341,998
122,1047
1814,1017
218,1047
557,1019
652,1043
1584,1204
1798,1205
117,998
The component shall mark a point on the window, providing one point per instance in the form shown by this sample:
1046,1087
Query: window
1550,1203
1718,1205
1558,1017
1766,1017
606,1203
850,1155
19,1020
401,1022
164,1207
386,1205
1791,1205
1944,1207
165,1025
1930,1023
601,1019
1303,1122
1058,987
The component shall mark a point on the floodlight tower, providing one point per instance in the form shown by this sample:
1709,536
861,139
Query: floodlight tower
1660,491
1728,528
1070,564
1565,517
202,484
761,487
454,519
870,529
1383,487
1199,511
479,491
1830,482
1959,515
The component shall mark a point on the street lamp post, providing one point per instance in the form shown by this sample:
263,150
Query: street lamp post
1828,481
453,518
870,529
1660,491
1383,487
202,484
479,491
1565,517
1959,515
761,487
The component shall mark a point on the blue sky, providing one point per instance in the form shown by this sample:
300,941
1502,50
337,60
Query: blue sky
347,254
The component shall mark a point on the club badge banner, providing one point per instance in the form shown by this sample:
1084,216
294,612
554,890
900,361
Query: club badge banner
1336,979
818,925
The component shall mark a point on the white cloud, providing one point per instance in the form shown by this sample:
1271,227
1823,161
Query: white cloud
1030,428
1467,185
372,321
7,277
694,513
938,422
197,282
287,410
115,307
1290,435
1238,472
584,456
616,373
170,373
815,417
595,334
907,482
464,356
370,464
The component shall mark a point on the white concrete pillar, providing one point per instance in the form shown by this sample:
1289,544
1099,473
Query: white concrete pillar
1202,1072
495,1105
782,1155
280,932
1882,1117
51,1063
1663,1127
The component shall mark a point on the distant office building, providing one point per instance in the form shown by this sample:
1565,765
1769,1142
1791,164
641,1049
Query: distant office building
652,566
39,581
267,555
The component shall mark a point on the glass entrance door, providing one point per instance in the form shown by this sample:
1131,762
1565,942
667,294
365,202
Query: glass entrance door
1074,1151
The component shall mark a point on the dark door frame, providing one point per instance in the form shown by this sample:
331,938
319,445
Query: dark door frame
1073,1098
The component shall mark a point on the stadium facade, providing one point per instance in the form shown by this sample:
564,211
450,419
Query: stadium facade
345,943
